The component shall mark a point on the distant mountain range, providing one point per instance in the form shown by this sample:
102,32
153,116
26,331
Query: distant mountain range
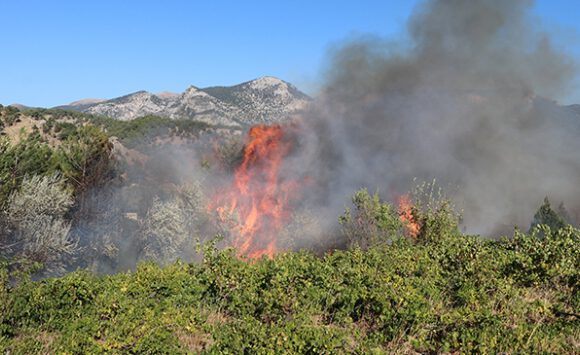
263,100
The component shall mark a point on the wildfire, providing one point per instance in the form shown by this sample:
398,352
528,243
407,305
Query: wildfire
258,200
412,227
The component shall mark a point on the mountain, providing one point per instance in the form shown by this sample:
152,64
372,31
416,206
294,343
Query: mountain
263,100
81,105
21,107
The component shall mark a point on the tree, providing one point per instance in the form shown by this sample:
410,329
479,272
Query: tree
547,216
26,158
85,157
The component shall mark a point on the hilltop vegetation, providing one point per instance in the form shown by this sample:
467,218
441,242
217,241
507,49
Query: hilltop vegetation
60,172
375,286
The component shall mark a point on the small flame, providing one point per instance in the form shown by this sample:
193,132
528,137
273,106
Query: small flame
406,216
259,196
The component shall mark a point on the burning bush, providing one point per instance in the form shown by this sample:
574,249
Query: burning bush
424,215
258,203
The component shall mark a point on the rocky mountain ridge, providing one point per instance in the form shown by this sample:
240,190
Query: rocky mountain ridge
263,100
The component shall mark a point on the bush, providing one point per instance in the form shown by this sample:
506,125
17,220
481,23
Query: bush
10,114
145,129
434,212
29,157
453,295
46,241
230,152
37,227
371,223
545,256
40,195
171,227
164,233
85,158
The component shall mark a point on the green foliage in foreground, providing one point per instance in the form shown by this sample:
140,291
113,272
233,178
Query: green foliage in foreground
457,293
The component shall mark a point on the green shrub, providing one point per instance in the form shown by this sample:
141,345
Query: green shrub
370,222
434,212
545,256
146,129
28,157
460,294
10,114
85,157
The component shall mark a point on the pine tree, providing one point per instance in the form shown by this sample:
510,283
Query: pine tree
547,216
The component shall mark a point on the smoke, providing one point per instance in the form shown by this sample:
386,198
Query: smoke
464,99
153,209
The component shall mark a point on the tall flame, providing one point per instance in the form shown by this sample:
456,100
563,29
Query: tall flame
259,196
412,227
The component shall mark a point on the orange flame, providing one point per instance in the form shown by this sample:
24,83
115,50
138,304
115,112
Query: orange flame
259,196
406,216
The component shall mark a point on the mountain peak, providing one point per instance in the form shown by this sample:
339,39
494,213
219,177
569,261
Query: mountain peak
192,88
265,82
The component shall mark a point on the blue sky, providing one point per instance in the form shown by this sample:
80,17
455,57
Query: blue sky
55,52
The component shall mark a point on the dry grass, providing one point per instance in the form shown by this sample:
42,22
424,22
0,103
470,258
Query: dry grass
194,341
217,318
45,339
20,129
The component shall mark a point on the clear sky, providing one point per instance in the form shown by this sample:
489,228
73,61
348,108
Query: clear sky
55,51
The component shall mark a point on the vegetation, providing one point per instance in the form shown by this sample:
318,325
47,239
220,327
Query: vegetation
546,215
77,149
372,223
170,226
42,184
438,292
146,129
9,115
457,294
27,158
85,157
375,288
38,231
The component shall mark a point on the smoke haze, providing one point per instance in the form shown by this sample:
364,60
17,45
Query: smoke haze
465,100
465,97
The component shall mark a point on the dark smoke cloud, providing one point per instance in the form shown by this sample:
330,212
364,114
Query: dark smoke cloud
466,100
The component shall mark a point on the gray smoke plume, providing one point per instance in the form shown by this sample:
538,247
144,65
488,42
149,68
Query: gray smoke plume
465,100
